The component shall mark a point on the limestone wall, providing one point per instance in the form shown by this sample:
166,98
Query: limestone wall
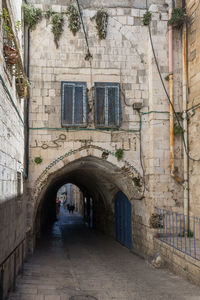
193,11
12,206
125,57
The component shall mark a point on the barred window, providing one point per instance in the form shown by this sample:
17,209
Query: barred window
107,105
74,104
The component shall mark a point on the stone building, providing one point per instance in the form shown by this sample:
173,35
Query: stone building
99,118
80,145
12,143
193,59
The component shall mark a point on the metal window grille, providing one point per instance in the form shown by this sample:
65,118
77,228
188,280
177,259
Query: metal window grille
107,105
74,104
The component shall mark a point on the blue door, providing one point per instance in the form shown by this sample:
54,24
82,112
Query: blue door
123,220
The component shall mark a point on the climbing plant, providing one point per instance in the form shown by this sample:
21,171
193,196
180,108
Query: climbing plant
73,19
177,18
6,24
57,22
101,19
32,15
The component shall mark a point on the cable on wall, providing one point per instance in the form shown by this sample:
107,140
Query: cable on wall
159,72
89,55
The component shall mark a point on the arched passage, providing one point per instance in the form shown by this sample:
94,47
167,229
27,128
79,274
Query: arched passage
98,179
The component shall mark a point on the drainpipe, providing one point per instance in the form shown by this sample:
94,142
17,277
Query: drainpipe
171,91
185,126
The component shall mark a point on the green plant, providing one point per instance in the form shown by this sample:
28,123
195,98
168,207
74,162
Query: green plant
57,21
32,15
167,78
147,18
49,13
101,19
6,23
73,19
119,154
38,160
177,18
178,129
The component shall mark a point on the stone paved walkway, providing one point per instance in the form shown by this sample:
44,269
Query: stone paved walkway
74,261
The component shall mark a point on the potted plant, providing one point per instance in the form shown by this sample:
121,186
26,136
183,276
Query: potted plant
11,54
21,87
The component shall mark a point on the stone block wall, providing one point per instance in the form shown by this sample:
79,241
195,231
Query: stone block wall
12,205
125,57
193,12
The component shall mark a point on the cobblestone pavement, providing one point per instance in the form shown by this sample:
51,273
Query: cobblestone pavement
73,262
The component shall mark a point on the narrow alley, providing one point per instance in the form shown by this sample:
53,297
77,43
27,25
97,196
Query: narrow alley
72,262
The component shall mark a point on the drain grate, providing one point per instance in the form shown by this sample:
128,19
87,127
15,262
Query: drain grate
82,297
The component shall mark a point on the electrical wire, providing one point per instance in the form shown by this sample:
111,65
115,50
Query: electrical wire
85,34
141,162
177,118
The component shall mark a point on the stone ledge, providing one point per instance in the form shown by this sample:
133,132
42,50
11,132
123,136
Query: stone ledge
178,262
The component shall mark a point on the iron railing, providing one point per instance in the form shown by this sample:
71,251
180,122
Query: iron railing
179,231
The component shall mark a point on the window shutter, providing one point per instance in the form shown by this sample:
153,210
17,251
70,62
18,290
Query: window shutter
78,105
74,104
112,106
68,104
107,105
100,105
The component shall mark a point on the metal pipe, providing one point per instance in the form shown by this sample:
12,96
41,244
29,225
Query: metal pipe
171,93
185,126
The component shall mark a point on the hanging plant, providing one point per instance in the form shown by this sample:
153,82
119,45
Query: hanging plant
147,18
74,22
101,19
119,154
57,22
32,15
49,13
177,18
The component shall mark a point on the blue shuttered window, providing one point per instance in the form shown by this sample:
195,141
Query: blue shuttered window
74,104
107,105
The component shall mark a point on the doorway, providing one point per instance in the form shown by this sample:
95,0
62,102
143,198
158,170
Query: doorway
123,220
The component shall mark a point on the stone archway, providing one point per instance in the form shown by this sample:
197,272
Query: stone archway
91,168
